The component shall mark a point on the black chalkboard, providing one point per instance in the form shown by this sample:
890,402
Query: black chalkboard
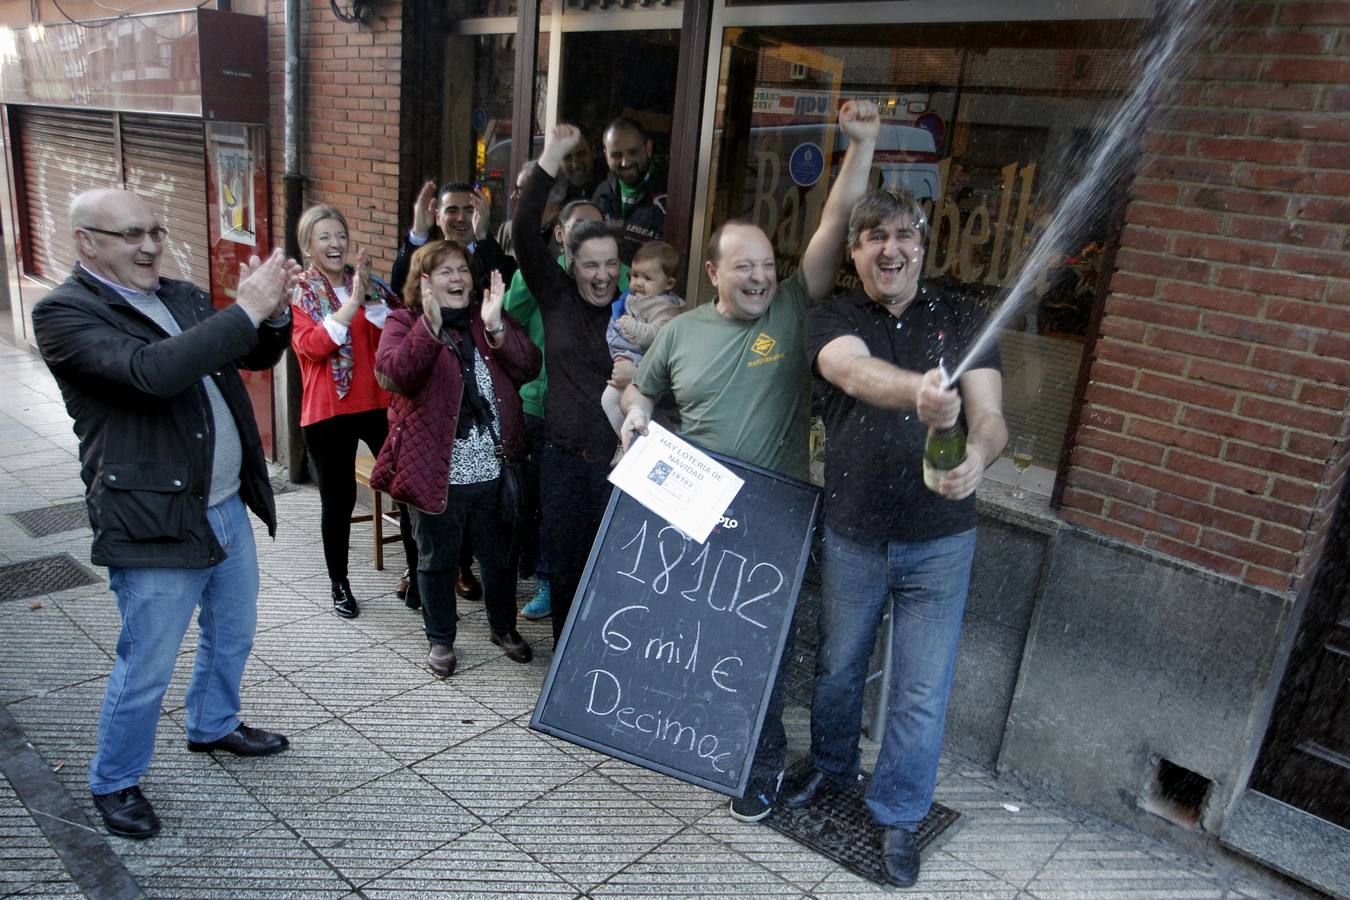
672,646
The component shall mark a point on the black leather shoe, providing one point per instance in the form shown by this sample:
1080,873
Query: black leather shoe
344,604
441,660
404,584
126,813
900,856
467,586
244,741
513,645
412,598
802,792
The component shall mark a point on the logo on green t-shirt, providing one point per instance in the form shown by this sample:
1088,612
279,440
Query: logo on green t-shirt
763,345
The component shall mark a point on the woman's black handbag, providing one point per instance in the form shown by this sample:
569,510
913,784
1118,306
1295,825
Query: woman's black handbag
511,486
511,495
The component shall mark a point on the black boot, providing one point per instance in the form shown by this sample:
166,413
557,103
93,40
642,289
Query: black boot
344,604
467,586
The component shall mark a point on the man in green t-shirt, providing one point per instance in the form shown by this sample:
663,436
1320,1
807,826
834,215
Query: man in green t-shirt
737,370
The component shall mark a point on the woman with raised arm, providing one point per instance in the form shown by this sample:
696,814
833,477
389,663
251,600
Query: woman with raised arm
339,311
457,363
574,302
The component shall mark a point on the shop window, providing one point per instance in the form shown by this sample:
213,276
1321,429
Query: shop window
979,122
480,74
584,5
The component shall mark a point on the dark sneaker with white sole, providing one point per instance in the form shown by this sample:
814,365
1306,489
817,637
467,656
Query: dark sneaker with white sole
758,801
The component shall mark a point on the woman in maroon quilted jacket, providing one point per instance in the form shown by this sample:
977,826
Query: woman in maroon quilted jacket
455,363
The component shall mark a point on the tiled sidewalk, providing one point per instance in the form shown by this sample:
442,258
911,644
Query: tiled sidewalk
401,784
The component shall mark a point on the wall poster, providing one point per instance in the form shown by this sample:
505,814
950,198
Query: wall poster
234,188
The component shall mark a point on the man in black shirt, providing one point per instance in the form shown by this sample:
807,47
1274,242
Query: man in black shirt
879,350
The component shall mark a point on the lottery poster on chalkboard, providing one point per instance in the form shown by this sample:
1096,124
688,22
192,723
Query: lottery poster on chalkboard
671,650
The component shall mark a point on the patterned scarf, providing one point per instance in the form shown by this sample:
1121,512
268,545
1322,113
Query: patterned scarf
315,295
456,325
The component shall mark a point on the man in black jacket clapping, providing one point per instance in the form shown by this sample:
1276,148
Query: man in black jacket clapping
461,213
171,458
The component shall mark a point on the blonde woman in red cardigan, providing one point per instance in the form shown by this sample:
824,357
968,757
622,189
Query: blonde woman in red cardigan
339,312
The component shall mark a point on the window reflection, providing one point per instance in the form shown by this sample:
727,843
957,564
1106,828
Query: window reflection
982,122
467,9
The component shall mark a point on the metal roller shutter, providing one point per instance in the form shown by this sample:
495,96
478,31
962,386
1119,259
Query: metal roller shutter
164,162
65,151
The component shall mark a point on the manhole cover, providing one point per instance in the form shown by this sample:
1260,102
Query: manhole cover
48,520
35,577
838,825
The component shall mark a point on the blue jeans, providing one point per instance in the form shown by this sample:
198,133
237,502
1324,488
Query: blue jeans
928,581
156,606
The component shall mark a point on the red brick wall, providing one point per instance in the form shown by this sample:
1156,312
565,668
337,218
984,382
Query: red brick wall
1215,425
349,151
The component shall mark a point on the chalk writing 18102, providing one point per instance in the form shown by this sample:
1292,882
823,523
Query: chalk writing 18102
669,655
723,591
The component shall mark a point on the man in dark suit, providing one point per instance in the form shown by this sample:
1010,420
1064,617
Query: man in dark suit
461,213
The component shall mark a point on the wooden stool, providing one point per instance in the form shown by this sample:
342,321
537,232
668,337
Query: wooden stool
364,463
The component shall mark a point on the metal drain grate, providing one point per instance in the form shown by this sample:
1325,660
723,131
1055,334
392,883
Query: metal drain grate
35,577
48,520
837,825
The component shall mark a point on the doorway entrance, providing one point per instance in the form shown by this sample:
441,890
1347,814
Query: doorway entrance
1305,760
620,73
594,62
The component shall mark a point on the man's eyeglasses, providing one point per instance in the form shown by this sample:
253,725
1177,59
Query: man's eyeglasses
133,235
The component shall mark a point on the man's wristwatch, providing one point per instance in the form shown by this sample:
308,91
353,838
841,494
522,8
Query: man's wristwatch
498,330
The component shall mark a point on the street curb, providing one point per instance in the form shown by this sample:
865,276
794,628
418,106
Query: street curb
91,862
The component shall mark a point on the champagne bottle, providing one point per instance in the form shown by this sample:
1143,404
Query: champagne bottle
944,450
